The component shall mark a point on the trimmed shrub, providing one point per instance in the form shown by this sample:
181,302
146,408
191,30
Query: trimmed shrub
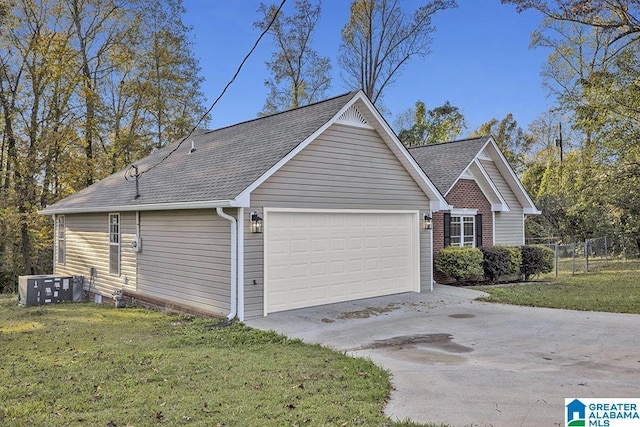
515,259
536,260
459,263
495,262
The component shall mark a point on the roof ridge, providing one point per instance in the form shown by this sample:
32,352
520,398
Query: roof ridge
450,142
208,131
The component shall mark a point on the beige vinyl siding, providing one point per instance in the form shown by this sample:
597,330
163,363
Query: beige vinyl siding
344,168
426,258
87,242
185,258
253,268
509,226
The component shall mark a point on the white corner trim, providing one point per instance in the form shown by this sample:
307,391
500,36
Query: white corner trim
493,228
353,117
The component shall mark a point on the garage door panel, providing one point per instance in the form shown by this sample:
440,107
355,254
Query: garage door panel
314,258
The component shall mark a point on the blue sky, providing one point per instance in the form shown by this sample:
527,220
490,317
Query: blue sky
480,60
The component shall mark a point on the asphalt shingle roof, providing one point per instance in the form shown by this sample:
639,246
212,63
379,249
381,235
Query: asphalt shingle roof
444,162
225,161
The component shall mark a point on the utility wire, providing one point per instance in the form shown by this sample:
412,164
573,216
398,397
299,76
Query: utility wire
255,45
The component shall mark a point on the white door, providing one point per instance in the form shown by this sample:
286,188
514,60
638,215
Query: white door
321,257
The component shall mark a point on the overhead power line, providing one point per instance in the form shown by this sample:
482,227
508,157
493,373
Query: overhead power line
195,127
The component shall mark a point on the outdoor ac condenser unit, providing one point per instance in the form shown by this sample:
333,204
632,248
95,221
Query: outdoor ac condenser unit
44,289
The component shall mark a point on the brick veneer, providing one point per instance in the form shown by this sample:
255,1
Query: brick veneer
464,195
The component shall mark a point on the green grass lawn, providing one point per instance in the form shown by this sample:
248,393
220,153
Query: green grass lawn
615,289
87,364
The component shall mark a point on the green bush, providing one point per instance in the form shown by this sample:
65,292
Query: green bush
459,263
515,259
536,260
496,262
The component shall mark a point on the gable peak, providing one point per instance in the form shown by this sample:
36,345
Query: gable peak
353,117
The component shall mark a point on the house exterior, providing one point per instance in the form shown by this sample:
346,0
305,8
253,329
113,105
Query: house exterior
314,205
488,202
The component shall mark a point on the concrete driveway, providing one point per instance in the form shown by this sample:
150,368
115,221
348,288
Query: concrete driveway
468,363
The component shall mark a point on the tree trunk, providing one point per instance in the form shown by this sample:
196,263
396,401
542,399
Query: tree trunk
89,97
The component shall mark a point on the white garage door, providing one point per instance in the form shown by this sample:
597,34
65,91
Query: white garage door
314,258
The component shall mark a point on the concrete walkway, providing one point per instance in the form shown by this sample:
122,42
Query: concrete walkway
468,363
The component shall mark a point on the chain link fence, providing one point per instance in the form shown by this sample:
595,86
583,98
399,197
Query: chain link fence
592,254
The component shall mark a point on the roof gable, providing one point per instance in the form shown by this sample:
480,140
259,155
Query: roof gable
446,163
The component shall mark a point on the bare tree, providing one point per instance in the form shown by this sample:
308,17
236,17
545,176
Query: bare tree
380,38
299,76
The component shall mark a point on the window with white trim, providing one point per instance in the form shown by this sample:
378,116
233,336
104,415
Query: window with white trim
62,239
463,230
114,244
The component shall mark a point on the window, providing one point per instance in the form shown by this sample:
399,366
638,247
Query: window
114,244
463,230
62,243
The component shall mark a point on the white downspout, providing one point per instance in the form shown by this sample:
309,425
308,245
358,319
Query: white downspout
139,243
234,264
240,264
55,242
431,253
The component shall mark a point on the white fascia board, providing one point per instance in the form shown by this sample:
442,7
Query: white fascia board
502,204
147,207
466,175
243,200
437,206
511,178
402,153
531,211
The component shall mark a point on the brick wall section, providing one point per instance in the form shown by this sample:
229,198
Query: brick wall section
464,195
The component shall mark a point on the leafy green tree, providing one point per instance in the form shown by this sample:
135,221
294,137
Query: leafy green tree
299,75
592,72
440,124
85,88
380,38
446,122
513,141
